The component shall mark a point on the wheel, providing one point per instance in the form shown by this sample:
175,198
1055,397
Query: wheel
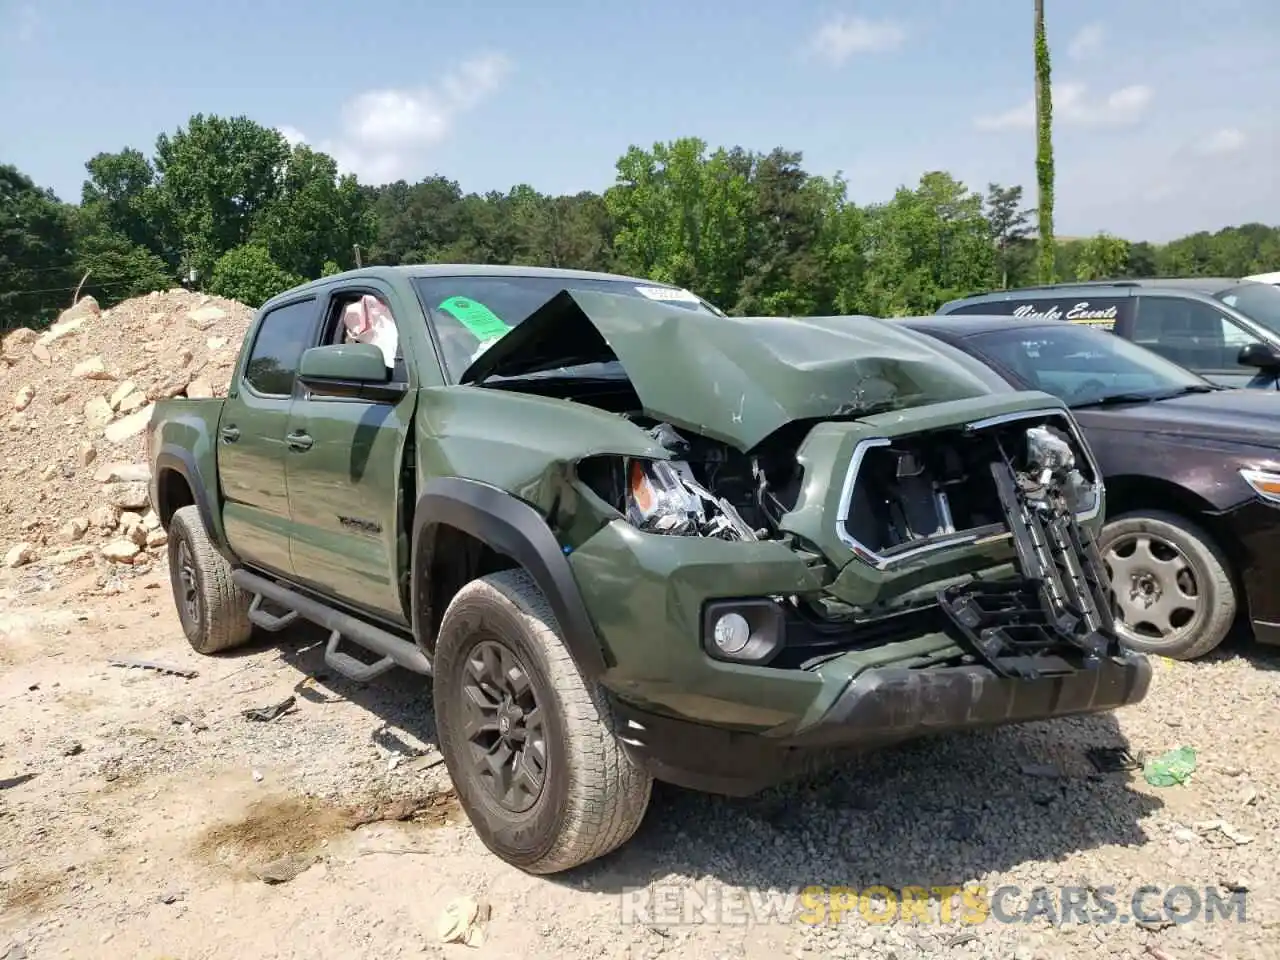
1173,590
529,743
214,612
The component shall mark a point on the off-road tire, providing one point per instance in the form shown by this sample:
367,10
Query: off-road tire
220,619
1212,574
593,798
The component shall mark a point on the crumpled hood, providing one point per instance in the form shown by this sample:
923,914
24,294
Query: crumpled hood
730,378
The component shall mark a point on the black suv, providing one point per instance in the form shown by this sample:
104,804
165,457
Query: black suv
1228,331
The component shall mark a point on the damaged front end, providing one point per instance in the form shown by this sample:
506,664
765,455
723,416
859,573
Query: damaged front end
987,523
817,500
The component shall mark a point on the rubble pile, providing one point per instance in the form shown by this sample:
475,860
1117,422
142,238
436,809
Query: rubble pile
75,400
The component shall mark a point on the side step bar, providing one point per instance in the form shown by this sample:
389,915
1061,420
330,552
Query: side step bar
393,650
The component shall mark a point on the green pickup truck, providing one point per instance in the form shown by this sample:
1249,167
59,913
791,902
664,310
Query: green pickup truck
630,538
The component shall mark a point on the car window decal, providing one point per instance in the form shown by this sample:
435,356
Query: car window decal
479,320
667,293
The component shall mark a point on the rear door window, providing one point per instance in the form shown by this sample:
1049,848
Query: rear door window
1191,333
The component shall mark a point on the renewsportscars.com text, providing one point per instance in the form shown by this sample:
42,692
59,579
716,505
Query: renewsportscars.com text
674,905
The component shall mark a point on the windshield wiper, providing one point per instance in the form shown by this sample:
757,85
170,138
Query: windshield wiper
1112,399
1117,398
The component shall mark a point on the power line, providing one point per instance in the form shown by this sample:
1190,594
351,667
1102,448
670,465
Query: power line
109,285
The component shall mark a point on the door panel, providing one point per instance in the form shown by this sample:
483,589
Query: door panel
251,447
344,498
343,463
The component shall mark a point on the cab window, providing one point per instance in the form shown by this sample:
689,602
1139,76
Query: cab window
1191,333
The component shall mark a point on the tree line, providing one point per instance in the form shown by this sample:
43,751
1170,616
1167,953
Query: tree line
228,206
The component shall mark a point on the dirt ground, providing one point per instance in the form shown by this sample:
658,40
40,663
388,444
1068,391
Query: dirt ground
142,815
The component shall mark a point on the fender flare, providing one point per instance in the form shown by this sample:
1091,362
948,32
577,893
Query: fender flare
181,461
511,527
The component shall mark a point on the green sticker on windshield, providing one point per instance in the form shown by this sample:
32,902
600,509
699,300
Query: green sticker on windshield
476,317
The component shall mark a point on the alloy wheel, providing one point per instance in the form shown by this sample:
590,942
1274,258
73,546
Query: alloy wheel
1156,588
503,726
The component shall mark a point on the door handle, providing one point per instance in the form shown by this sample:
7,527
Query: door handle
230,434
299,441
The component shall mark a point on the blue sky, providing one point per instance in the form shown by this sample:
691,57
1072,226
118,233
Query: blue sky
1167,109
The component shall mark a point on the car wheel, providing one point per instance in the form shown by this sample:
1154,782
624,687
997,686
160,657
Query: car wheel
214,612
528,742
1174,596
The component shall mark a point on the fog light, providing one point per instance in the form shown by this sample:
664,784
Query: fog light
732,633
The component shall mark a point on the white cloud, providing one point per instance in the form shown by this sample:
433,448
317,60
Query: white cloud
1086,42
292,135
1221,142
1073,105
20,23
385,133
840,38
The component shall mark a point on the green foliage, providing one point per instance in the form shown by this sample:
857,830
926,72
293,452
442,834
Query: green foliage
248,274
37,260
753,232
1010,226
118,269
219,177
1102,257
1045,262
314,217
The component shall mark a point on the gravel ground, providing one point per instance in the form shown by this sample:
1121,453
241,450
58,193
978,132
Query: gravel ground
136,806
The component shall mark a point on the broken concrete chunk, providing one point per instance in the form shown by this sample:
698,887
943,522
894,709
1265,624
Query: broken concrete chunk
120,392
92,369
123,473
85,453
97,413
105,517
129,426
20,555
41,353
156,538
202,318
166,388
22,399
74,529
120,550
69,555
133,401
128,496
199,389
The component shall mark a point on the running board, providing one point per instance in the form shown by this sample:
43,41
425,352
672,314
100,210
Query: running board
394,651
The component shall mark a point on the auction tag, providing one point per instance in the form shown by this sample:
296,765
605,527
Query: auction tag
482,322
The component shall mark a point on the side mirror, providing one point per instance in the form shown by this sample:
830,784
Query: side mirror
348,370
1261,355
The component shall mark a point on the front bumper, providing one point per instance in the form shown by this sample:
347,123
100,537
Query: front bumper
880,706
893,704
877,708
1252,533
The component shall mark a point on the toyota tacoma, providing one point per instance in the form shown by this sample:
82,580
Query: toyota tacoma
630,538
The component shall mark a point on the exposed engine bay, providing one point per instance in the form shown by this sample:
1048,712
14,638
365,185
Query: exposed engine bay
1022,479
937,487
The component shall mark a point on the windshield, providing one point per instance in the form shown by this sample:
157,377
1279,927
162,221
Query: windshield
1083,366
1260,302
469,314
